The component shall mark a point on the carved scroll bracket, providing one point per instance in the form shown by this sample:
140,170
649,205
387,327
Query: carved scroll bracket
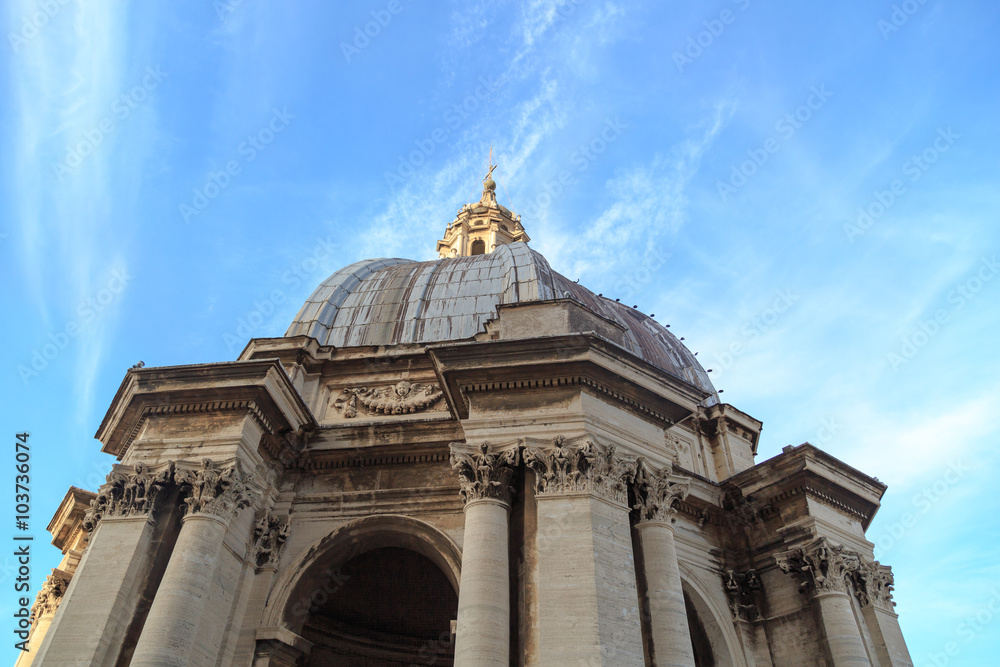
269,535
744,591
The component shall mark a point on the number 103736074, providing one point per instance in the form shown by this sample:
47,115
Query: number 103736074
22,497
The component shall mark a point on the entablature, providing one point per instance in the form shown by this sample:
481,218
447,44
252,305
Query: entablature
261,389
809,472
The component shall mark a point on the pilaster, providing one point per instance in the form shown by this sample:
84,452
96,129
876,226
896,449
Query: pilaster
104,595
588,606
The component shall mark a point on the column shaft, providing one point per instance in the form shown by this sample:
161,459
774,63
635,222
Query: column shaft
671,637
483,636
167,638
847,648
35,641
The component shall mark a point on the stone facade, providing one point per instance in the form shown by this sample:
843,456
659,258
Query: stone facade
469,462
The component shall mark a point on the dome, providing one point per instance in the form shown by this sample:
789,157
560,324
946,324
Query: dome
385,302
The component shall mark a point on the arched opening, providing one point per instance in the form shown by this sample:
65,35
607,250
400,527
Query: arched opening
478,247
391,606
702,645
382,590
708,638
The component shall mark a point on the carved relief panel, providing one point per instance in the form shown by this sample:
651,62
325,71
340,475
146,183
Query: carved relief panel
384,400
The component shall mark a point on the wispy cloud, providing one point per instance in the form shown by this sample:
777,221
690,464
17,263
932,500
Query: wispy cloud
66,82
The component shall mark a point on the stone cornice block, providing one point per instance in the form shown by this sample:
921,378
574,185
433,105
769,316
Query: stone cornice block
260,388
582,359
806,470
739,419
303,350
68,518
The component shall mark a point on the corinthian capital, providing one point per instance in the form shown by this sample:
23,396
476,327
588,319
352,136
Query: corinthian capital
484,473
129,491
657,493
873,584
584,466
821,566
49,597
214,490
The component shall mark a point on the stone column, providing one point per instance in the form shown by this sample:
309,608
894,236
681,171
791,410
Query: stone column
657,493
177,613
101,600
587,603
873,587
483,635
42,613
823,568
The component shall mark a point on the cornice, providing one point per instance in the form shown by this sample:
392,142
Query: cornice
260,388
567,360
808,471
68,517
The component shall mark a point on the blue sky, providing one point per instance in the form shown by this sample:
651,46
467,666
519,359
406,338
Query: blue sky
806,192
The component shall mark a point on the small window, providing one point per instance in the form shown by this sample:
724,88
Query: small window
478,247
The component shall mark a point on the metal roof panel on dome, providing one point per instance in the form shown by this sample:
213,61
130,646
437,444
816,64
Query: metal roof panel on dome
388,302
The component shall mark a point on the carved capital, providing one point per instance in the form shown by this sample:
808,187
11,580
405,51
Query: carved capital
873,584
211,489
484,473
744,590
269,535
658,492
50,596
129,491
821,566
583,466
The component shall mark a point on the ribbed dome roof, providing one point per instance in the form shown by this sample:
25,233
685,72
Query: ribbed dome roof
400,301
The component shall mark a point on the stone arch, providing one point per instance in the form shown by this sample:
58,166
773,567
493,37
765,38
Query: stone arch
478,247
715,618
316,569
